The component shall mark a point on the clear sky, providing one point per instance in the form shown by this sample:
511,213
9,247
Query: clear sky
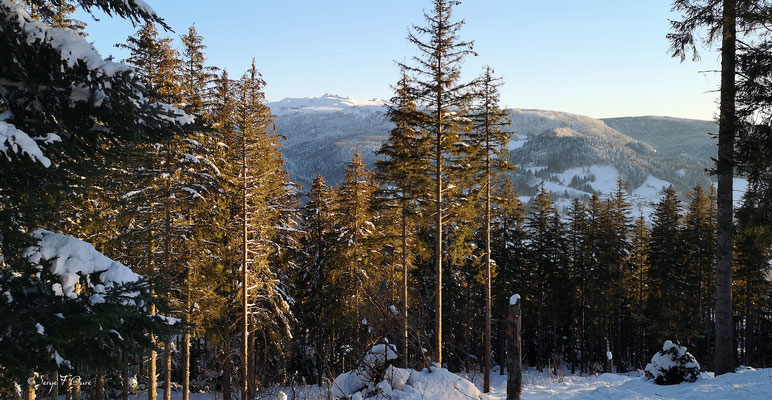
601,58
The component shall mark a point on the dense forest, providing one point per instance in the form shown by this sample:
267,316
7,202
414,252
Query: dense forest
151,236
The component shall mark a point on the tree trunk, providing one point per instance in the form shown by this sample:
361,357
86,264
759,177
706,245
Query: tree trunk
76,389
29,391
251,372
186,337
244,284
124,375
227,371
514,356
55,387
405,352
99,386
168,370
724,353
502,353
152,387
68,388
487,339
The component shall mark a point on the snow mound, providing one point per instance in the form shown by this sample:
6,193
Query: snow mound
672,365
374,379
70,259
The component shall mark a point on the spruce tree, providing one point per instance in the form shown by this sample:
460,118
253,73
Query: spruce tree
442,99
489,135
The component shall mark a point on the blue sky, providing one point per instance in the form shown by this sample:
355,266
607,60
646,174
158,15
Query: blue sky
601,58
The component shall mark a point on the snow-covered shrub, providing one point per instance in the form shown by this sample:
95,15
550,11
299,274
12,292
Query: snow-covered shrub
375,379
672,365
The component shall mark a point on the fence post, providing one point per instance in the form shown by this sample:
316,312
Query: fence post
514,350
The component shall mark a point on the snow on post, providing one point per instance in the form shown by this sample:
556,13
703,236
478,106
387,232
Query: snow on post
514,299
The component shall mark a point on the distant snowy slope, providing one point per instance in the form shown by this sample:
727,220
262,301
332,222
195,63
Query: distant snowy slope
573,155
675,138
324,103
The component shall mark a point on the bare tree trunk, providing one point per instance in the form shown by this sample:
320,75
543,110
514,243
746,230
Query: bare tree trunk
76,389
438,234
502,347
124,375
487,339
152,387
186,336
244,283
724,353
99,386
55,387
29,391
252,367
227,370
514,350
68,388
168,370
405,352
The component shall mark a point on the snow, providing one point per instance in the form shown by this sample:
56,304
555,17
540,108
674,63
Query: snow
13,140
514,299
651,188
325,103
72,47
40,328
515,144
71,258
606,177
433,383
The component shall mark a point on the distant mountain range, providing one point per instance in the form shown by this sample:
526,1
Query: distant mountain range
572,154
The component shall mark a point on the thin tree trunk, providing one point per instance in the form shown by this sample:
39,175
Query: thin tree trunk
29,391
227,370
186,336
68,388
244,283
55,387
252,367
487,339
124,375
168,370
76,389
724,352
438,233
99,386
152,387
405,352
514,352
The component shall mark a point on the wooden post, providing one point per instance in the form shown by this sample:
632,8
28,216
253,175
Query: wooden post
514,350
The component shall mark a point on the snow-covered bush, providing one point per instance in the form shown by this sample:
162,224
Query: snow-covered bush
672,365
376,379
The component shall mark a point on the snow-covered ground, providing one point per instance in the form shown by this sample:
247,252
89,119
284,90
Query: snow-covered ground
747,384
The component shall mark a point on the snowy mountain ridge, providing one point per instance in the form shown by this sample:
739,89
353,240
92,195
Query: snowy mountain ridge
324,103
573,155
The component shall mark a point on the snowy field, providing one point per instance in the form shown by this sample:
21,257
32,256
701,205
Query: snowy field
748,384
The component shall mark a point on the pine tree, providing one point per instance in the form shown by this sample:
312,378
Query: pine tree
265,207
636,285
667,272
402,171
490,136
57,82
437,89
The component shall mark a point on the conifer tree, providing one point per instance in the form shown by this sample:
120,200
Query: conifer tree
443,100
489,135
402,171
666,271
264,209
636,284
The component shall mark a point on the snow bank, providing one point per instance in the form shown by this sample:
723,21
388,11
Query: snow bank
374,380
71,259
